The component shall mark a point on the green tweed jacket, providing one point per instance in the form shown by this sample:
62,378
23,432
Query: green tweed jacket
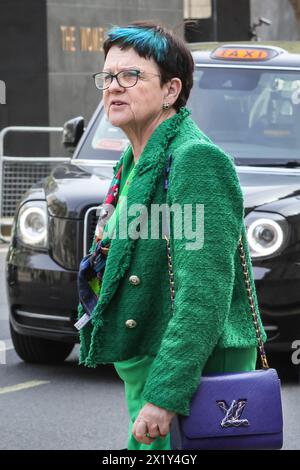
134,314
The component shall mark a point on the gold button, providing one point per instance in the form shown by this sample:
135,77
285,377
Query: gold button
130,323
134,280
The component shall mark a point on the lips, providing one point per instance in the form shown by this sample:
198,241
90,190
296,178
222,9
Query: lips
117,103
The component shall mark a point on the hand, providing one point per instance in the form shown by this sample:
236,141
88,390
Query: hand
152,420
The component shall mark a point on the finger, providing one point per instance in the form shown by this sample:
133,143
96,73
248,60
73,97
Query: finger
153,430
145,439
139,432
164,429
140,428
149,438
133,431
140,422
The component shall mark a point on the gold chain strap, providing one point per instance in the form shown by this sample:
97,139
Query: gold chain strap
171,273
262,352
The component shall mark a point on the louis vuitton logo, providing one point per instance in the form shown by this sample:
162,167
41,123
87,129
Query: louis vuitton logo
233,413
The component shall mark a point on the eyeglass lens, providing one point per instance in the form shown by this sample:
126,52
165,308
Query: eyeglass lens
126,79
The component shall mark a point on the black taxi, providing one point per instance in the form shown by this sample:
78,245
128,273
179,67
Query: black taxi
246,98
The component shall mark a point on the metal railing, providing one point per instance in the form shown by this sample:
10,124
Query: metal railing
18,174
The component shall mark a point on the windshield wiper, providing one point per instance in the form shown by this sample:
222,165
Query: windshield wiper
282,164
292,164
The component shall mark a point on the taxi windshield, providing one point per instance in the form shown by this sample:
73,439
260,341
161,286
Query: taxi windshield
251,113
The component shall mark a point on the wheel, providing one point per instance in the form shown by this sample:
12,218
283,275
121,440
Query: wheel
39,350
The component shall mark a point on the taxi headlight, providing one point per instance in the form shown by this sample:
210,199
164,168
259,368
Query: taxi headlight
266,233
32,224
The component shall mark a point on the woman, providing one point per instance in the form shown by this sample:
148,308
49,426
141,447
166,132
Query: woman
159,352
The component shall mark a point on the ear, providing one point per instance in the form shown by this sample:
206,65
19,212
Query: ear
173,89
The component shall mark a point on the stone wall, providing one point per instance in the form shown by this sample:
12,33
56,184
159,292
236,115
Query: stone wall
285,25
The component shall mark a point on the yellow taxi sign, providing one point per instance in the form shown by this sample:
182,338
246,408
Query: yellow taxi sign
241,53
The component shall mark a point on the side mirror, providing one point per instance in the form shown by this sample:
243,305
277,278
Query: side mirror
73,130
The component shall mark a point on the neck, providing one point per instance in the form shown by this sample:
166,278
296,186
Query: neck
139,135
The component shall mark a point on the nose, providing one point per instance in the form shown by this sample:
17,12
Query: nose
114,86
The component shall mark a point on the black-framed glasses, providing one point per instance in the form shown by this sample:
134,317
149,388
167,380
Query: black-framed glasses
125,78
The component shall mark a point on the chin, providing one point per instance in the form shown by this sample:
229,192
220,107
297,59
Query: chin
118,121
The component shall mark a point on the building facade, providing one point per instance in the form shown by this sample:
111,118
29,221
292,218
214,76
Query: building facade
49,49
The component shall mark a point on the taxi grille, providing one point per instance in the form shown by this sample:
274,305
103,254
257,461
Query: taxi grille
17,178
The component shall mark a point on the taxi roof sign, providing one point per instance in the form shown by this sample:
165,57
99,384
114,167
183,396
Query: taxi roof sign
244,53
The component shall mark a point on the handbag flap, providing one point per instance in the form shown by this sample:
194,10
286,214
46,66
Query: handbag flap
235,404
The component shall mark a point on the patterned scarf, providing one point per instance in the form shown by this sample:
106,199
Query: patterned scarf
111,199
93,265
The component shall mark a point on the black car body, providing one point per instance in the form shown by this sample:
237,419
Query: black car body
246,98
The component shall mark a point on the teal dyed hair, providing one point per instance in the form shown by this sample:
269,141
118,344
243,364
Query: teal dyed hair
147,41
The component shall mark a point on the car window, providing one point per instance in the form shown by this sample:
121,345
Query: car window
104,141
109,137
250,113
253,114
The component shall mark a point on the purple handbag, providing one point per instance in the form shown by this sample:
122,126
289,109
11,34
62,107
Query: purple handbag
234,410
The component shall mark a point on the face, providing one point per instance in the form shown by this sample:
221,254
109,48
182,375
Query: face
139,105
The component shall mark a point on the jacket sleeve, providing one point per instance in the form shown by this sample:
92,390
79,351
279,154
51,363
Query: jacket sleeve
201,174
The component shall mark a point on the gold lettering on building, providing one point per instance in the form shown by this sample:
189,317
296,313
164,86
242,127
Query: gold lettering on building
88,39
91,39
68,38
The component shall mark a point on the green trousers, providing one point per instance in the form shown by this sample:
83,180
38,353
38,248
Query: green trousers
134,373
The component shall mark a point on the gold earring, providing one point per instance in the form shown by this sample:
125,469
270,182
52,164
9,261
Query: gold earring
166,105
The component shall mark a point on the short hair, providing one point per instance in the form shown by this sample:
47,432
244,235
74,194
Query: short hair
170,53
